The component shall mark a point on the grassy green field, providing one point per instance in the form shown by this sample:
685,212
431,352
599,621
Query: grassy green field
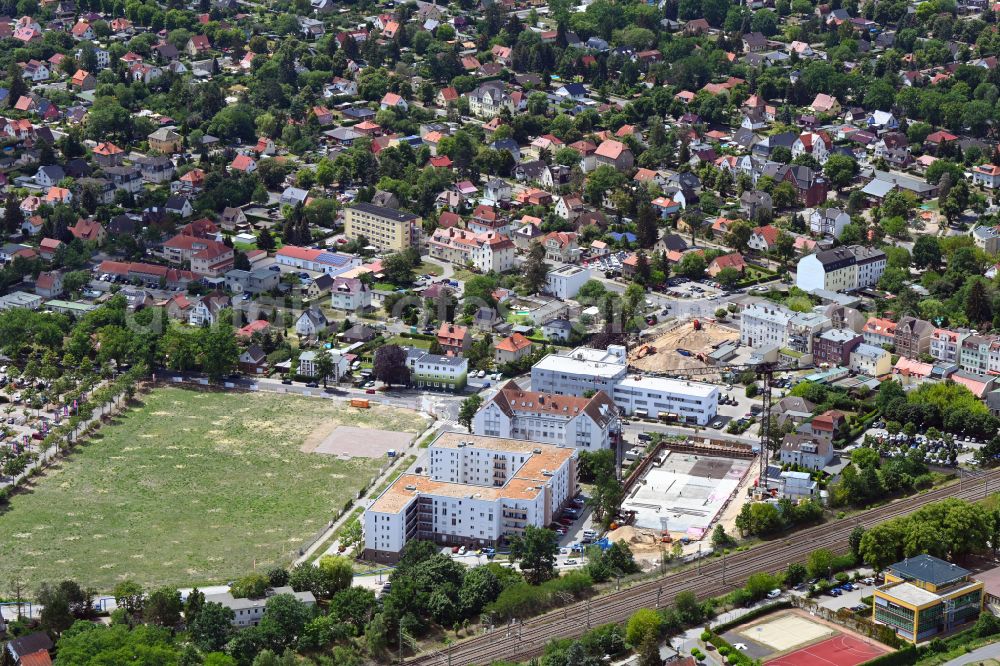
189,488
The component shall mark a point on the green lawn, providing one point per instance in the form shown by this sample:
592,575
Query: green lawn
416,343
427,268
189,488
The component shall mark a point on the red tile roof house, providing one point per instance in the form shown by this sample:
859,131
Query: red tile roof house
719,264
89,230
49,284
827,424
243,163
512,349
256,326
453,339
764,239
108,154
48,247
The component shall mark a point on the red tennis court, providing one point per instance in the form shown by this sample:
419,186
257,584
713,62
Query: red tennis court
836,651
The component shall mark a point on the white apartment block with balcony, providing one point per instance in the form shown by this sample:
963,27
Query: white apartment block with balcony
584,423
585,369
478,491
841,269
946,345
483,251
581,370
565,281
649,397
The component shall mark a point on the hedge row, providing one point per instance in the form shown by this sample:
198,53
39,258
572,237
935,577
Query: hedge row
906,656
751,615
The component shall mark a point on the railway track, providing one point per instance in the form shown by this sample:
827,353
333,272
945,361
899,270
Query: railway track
717,576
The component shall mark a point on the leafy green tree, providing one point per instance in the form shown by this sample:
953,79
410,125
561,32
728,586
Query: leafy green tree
210,629
535,552
251,586
220,353
819,563
840,170
338,571
163,607
795,573
926,252
468,409
644,622
129,596
535,271
692,265
85,644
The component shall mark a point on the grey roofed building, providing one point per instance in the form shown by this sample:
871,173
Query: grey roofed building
878,188
904,182
293,196
381,211
928,569
248,612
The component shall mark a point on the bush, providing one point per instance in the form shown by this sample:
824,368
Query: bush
706,635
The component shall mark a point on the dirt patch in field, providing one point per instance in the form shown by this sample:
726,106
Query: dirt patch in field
352,442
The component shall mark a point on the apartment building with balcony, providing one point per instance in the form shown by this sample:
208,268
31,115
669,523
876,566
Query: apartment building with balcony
584,423
387,229
478,491
946,345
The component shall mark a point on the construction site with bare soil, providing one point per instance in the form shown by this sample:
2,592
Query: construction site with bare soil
684,345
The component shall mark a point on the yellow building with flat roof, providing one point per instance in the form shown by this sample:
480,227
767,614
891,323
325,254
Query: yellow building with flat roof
384,228
924,596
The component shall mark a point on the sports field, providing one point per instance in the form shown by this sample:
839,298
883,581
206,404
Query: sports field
189,488
837,651
795,638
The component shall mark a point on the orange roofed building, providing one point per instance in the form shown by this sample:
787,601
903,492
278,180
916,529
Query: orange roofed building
478,492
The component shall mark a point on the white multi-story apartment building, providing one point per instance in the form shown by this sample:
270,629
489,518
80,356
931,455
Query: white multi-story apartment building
766,324
980,354
387,229
584,423
565,281
946,345
436,371
828,222
584,369
841,269
484,251
478,491
649,397
489,99
579,371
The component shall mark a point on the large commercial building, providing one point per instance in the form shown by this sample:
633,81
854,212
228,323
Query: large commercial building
584,423
478,491
841,269
586,370
924,596
384,228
